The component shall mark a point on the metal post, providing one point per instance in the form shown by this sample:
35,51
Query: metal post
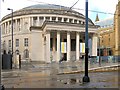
86,77
0,55
1,86
11,27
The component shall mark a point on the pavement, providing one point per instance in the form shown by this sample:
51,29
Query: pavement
60,75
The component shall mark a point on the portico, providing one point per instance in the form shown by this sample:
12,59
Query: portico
72,36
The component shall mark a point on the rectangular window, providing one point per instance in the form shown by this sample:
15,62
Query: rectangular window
41,18
70,20
51,44
79,22
59,19
26,42
47,18
75,21
17,42
53,18
65,19
9,42
34,21
19,25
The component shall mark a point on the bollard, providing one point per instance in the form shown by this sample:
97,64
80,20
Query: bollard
19,61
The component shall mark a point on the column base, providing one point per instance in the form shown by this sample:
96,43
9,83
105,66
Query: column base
86,79
2,87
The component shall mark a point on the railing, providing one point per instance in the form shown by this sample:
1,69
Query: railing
92,63
104,61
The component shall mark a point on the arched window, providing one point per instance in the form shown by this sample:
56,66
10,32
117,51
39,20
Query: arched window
26,53
17,52
9,52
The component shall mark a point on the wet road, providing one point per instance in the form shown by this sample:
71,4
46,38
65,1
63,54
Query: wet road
46,77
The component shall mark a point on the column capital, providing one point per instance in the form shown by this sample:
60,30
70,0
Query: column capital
95,35
77,32
68,31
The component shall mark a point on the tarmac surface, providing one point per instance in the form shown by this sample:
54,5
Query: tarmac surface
46,76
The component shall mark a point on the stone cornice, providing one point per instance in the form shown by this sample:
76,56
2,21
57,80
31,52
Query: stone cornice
62,24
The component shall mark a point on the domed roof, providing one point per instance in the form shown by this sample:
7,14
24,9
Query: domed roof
46,6
46,9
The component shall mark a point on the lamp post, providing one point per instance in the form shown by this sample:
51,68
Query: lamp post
86,77
1,86
11,27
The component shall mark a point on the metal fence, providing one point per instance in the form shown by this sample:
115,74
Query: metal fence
92,63
97,61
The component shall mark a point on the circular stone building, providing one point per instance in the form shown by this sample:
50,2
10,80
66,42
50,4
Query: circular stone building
47,32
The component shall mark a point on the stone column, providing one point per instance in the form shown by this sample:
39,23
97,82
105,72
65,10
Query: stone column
2,28
56,18
48,47
22,24
43,18
67,19
68,46
54,45
5,28
8,27
62,19
16,25
58,46
31,21
94,45
38,21
72,20
50,18
77,46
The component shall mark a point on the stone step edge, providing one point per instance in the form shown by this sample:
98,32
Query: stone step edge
98,69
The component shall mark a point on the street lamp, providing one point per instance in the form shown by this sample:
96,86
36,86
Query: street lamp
86,77
1,86
11,27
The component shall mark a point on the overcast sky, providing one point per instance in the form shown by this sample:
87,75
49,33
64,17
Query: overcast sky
107,6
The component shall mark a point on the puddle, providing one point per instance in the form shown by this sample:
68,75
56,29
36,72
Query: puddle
71,81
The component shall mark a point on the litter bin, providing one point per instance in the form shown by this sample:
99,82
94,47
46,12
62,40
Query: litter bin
6,61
